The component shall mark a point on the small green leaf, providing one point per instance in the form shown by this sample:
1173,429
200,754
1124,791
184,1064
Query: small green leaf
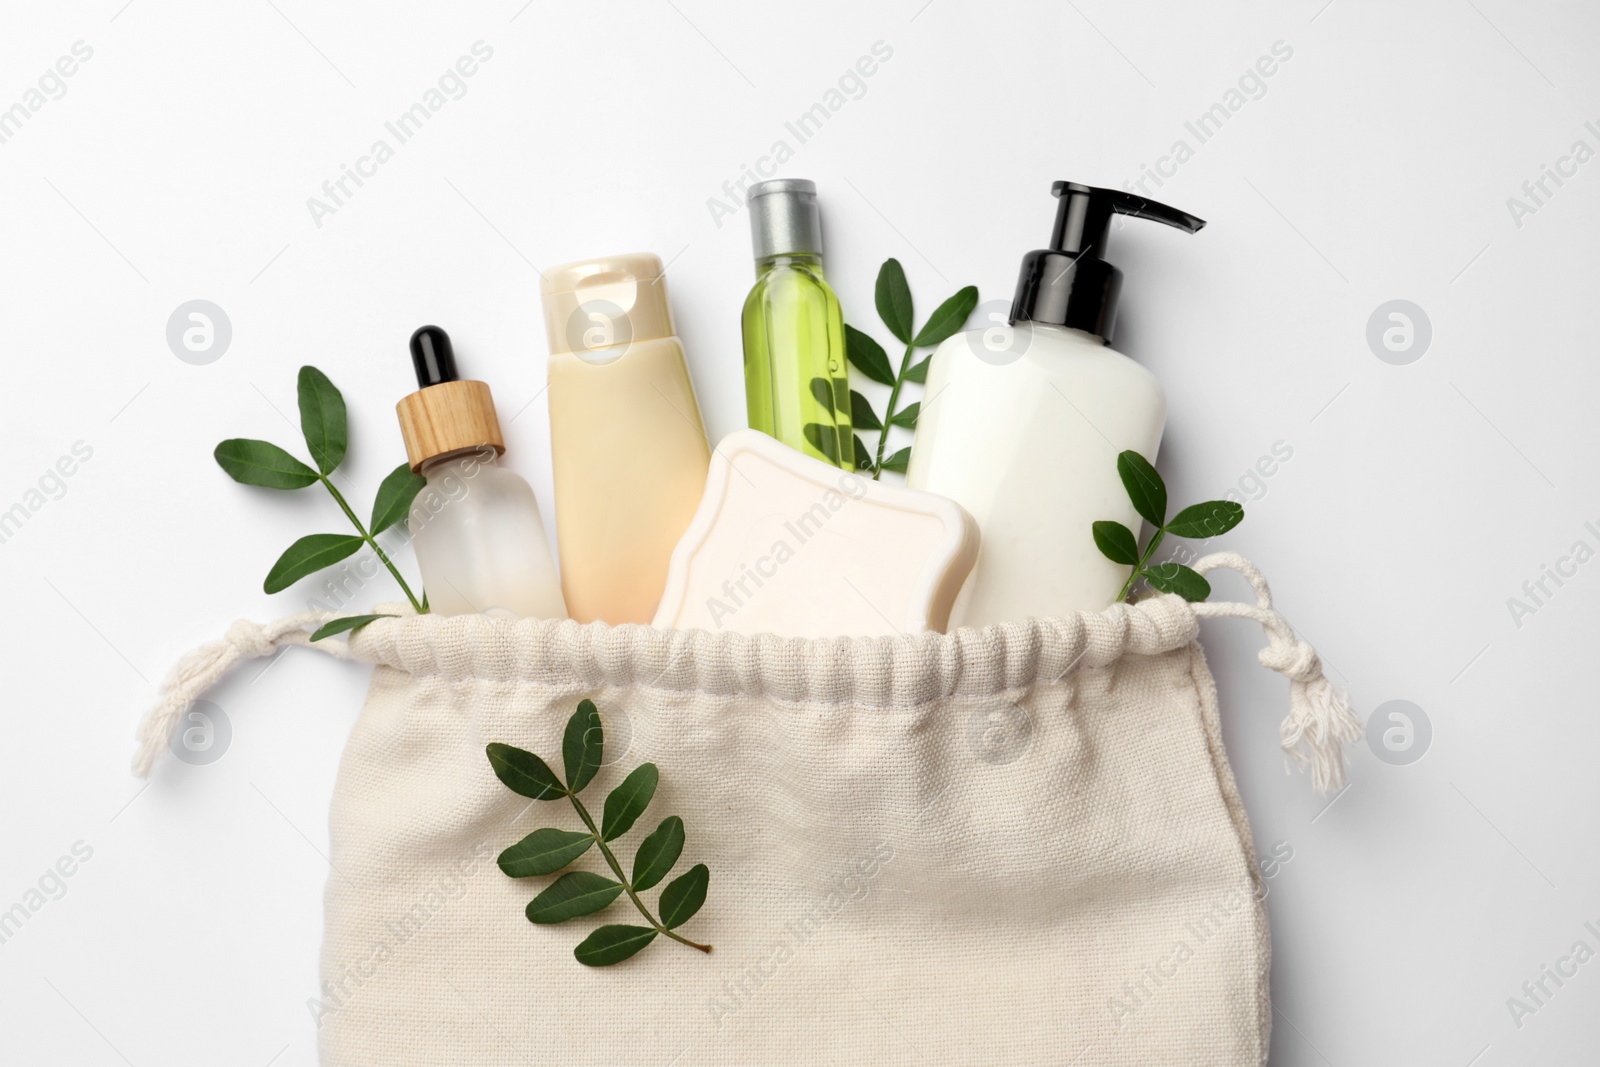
657,853
867,356
824,439
262,463
863,457
573,894
918,373
349,622
1210,519
947,318
893,298
627,801
899,461
309,555
524,773
395,494
612,944
862,417
822,390
683,896
1176,578
907,416
544,852
1145,487
582,746
322,419
1116,542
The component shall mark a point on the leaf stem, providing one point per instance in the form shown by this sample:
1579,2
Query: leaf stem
888,415
616,868
369,539
1138,568
1127,586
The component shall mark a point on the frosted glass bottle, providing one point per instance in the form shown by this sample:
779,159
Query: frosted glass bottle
475,526
483,550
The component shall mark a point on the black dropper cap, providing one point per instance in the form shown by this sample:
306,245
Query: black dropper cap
1070,283
433,356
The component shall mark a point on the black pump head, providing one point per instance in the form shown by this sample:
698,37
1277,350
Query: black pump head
433,357
1070,283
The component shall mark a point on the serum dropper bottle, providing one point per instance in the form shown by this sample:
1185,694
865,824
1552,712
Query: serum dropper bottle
476,529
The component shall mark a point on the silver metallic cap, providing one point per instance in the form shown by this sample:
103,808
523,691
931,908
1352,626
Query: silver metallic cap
784,218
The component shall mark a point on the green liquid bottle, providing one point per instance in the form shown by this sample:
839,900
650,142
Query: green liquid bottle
797,387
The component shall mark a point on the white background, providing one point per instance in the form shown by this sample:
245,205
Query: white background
1419,498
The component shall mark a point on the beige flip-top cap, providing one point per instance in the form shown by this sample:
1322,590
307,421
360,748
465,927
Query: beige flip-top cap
598,304
446,415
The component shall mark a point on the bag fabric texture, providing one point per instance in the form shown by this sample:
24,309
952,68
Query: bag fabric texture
1016,844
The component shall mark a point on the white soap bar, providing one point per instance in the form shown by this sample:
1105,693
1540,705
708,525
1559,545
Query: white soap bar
789,545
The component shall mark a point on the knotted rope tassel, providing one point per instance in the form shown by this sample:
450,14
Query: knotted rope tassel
1320,723
205,666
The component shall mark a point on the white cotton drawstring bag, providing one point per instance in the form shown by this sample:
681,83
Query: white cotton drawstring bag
1018,844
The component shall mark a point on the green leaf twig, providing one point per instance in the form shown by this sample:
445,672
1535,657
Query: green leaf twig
549,850
323,423
1148,493
897,310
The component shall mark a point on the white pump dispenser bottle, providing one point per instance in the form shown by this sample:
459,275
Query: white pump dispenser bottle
1021,424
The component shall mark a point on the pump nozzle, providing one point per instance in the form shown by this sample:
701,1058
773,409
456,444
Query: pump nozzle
1070,283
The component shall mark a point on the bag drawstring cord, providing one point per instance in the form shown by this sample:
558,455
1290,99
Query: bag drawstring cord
1314,734
1320,723
205,666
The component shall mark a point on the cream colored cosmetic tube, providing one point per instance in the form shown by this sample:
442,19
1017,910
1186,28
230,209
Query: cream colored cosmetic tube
627,443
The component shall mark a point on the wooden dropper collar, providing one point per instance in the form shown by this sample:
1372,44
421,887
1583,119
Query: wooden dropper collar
446,415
